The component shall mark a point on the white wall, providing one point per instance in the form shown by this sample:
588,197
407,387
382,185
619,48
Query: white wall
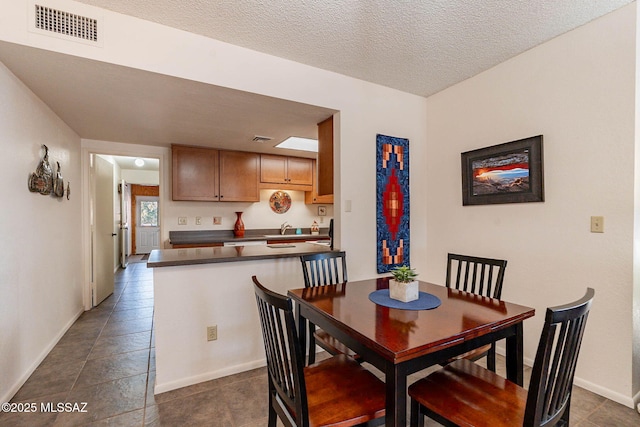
221,295
578,90
40,276
140,177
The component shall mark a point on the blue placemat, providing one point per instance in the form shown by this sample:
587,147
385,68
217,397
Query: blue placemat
425,301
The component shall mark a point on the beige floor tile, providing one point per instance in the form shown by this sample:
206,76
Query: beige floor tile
105,400
109,345
207,408
50,378
113,367
129,326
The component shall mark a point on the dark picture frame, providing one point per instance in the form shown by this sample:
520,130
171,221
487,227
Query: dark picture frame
505,173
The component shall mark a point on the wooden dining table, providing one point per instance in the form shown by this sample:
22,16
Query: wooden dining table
400,342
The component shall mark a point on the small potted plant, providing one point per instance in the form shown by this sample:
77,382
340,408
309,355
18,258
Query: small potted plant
404,286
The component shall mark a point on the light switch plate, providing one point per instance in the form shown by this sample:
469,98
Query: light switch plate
597,224
182,220
217,220
198,220
212,333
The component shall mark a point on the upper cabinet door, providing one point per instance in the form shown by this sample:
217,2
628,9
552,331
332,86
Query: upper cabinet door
273,169
300,171
239,176
194,173
286,170
325,157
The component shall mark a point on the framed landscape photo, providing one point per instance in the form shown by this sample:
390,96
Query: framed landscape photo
505,173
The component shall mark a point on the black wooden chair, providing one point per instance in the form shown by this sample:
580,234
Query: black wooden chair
321,270
480,276
464,393
337,391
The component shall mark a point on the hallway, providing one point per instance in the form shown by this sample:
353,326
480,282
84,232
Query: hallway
107,361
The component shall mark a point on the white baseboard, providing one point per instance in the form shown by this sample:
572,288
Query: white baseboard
208,376
31,369
587,385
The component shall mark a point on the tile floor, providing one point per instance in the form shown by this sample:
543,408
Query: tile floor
106,359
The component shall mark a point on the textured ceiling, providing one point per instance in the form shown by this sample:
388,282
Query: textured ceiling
417,46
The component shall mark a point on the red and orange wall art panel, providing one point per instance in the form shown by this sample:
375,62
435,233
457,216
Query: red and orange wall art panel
392,202
504,173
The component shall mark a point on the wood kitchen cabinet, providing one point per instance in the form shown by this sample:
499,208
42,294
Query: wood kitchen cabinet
288,172
312,197
206,174
325,157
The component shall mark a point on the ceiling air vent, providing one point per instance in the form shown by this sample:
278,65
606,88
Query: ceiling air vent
259,138
66,24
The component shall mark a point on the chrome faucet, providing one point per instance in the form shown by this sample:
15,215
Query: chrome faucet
284,227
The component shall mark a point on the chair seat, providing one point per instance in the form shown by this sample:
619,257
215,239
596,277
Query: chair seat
473,355
470,395
333,346
342,393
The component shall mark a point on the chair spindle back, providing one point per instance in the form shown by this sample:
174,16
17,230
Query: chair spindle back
324,269
284,356
555,363
481,276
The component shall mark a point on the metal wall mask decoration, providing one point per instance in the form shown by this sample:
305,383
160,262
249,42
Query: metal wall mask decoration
58,183
41,181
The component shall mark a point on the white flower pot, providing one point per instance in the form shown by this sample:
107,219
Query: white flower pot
404,292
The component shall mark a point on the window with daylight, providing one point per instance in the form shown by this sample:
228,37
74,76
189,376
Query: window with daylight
149,213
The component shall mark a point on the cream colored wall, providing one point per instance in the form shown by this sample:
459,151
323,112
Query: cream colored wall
141,177
40,276
578,90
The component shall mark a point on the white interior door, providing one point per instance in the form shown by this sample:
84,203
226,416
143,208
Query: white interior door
147,225
124,223
104,234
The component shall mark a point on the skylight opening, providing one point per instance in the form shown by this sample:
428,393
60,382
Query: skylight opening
297,143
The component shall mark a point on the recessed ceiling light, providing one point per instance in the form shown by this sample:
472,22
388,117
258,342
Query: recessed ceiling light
297,143
139,162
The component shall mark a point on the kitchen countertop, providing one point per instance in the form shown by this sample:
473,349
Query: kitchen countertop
218,254
193,237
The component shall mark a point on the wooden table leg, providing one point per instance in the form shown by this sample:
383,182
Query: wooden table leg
396,403
515,356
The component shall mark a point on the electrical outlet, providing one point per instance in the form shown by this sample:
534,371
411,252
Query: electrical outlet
597,224
198,220
182,220
212,333
217,220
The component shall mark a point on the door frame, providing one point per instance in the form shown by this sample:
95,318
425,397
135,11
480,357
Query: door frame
137,191
106,148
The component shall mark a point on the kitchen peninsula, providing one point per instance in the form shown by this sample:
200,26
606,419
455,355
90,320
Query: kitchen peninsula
197,288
